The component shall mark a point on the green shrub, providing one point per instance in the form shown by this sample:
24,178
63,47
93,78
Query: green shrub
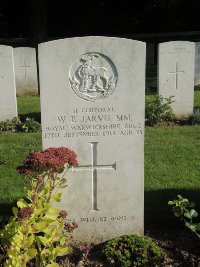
195,117
9,125
133,250
29,125
158,110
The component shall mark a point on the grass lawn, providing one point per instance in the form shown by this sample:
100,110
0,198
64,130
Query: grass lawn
172,165
197,98
172,157
28,105
14,147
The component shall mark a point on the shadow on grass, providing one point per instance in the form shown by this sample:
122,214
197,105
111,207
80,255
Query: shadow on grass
157,212
6,211
34,115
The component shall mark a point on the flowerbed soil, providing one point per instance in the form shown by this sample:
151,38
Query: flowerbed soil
182,249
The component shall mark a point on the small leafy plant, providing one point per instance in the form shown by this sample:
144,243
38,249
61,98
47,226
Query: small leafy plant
158,110
184,210
133,250
30,126
39,232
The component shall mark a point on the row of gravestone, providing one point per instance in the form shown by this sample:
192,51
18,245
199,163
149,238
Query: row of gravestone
178,62
92,92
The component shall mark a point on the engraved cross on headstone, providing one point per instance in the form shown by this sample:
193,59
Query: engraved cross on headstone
25,66
176,75
94,167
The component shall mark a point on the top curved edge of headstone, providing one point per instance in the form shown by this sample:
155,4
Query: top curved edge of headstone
24,48
53,42
177,42
6,47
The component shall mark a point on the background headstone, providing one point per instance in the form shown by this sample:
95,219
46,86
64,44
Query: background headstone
92,101
25,71
8,103
176,75
197,64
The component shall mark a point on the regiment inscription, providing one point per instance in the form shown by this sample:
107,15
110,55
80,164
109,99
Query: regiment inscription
93,76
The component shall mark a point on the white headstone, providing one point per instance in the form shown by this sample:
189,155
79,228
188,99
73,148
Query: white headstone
197,64
176,75
26,71
92,101
8,103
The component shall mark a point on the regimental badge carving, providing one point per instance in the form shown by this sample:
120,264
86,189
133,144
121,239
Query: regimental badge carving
93,76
